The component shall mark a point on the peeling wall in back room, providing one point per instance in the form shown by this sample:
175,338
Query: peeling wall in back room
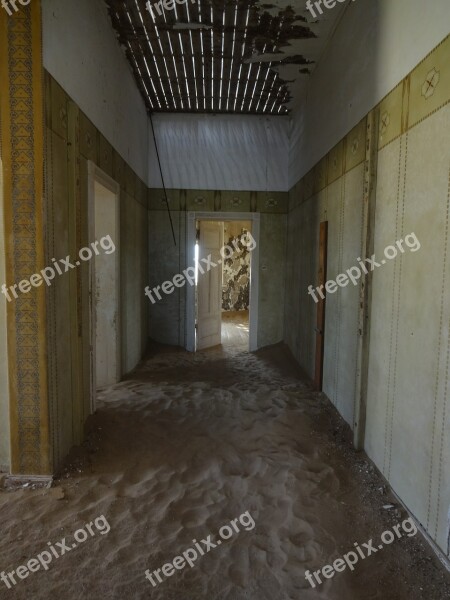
236,268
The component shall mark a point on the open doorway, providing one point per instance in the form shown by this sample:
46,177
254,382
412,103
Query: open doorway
192,254
104,282
223,258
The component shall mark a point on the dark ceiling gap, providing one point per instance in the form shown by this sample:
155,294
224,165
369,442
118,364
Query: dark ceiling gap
218,70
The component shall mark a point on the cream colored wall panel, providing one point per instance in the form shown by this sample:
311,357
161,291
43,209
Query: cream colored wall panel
407,416
346,356
421,390
382,319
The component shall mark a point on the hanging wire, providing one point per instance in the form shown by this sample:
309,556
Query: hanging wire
162,179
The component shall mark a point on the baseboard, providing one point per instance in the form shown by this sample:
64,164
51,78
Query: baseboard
20,480
439,553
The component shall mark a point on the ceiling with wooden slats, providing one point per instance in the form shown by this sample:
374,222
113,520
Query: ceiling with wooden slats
214,56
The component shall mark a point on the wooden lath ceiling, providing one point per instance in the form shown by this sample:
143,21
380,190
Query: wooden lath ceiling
209,55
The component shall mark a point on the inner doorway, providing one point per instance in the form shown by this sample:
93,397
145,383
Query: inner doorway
223,291
192,255
236,286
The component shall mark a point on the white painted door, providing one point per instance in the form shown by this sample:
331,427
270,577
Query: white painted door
105,291
209,287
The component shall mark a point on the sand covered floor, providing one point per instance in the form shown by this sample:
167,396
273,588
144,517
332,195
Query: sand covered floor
184,446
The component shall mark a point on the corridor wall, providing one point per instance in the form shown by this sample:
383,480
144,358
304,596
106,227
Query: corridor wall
407,427
72,141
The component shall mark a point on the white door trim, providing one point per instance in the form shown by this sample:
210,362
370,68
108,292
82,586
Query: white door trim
192,217
95,174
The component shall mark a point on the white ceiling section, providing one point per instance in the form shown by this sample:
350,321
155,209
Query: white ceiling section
221,152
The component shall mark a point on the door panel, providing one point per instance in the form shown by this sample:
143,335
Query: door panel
209,312
320,329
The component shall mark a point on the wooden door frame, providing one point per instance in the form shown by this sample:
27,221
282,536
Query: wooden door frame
96,175
321,305
204,280
192,217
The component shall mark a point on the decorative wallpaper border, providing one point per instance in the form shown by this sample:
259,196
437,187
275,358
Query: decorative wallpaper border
23,159
218,201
